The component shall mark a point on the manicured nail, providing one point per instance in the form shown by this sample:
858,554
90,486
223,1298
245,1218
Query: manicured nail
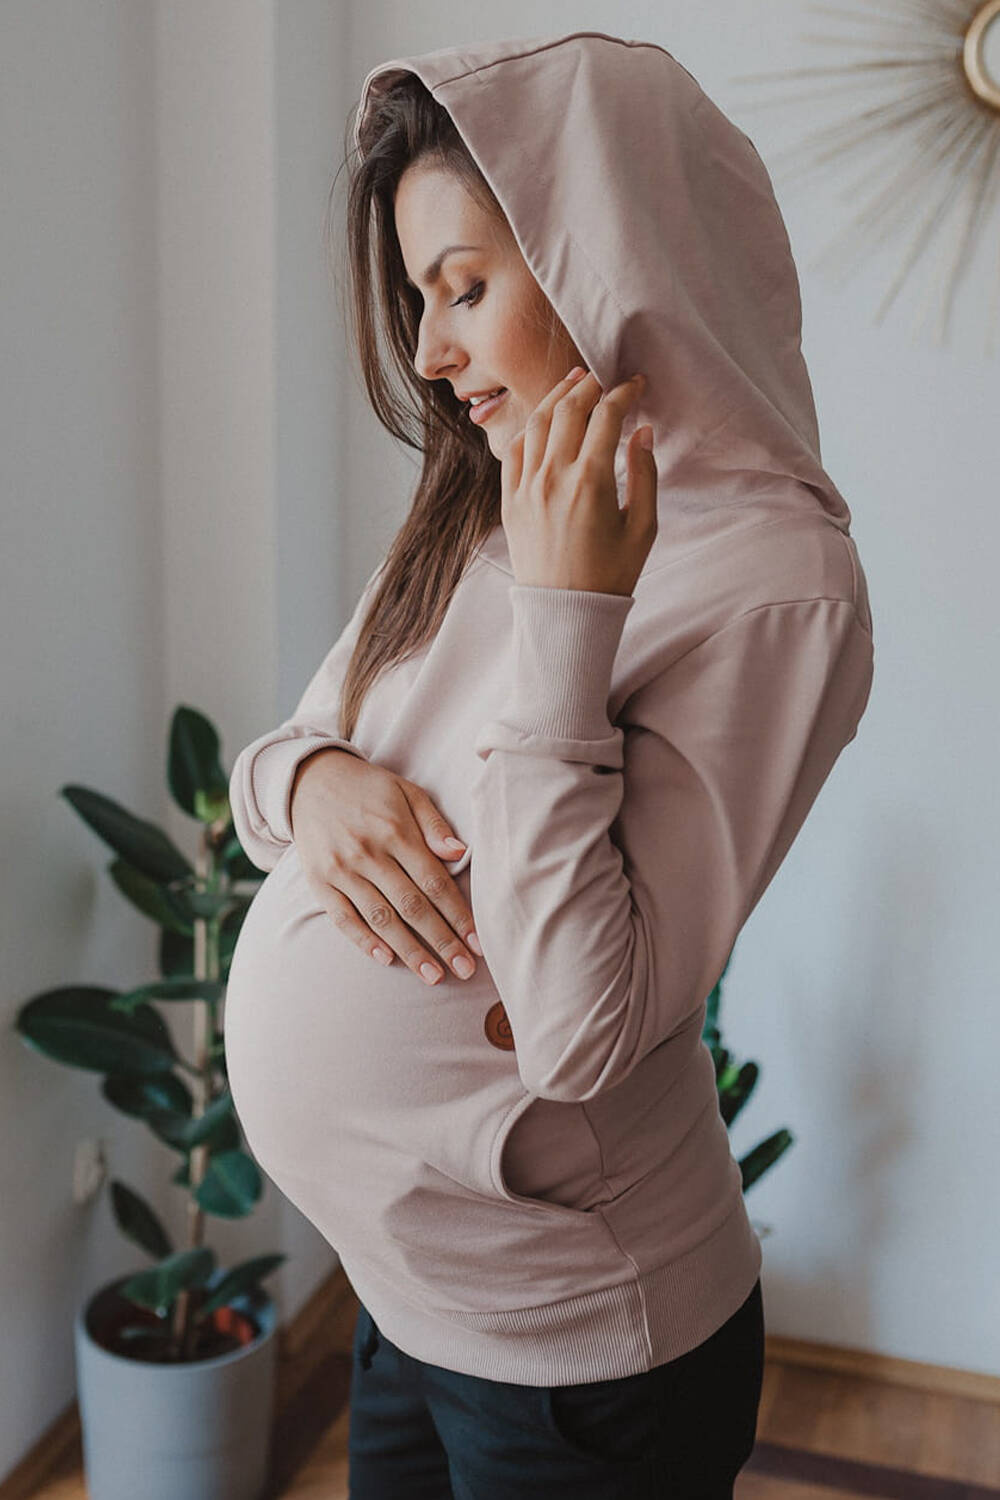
473,941
646,438
451,843
576,372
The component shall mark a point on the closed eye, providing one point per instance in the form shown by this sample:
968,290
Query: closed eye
470,295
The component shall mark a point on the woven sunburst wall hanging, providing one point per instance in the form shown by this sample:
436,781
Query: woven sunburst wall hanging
931,71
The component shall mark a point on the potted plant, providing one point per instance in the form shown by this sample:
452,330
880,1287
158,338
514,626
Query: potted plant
735,1083
176,1362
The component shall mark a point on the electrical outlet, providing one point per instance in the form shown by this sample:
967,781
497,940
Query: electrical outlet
89,1170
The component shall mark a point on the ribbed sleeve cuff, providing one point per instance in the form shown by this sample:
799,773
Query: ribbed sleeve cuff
273,770
565,643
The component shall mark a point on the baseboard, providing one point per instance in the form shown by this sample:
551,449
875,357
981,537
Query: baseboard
946,1380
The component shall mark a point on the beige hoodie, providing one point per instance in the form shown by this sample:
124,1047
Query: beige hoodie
526,1175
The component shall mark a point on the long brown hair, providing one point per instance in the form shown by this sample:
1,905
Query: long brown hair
457,499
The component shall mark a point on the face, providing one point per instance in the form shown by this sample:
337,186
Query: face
485,320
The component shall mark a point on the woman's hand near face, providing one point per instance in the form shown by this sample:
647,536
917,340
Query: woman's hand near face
362,835
559,498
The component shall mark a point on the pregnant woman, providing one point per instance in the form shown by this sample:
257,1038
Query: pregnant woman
619,674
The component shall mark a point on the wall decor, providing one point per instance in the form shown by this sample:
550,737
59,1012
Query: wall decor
923,115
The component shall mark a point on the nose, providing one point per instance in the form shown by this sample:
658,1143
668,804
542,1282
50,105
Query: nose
437,355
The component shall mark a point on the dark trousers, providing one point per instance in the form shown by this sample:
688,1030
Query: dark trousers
682,1430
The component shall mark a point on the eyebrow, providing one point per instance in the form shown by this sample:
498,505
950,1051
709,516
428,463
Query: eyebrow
434,269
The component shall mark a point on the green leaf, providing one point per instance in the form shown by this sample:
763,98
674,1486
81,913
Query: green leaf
229,931
177,987
146,1097
165,905
195,775
209,904
738,1090
76,1025
234,860
138,1221
217,1128
757,1161
242,1278
715,998
158,1287
728,1073
176,952
224,1136
141,844
231,1185
204,1126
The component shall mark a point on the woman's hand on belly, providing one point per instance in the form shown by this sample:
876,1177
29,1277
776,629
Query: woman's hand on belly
363,834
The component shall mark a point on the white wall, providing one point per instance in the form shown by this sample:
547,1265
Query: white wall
249,110
81,620
185,520
172,533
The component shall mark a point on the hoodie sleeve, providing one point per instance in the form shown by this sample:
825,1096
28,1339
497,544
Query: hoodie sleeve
260,783
614,865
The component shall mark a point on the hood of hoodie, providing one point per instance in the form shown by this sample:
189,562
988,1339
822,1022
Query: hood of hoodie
650,222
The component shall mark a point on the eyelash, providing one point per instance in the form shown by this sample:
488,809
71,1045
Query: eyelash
476,287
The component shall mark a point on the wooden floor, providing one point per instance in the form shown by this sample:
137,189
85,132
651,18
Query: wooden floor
821,1435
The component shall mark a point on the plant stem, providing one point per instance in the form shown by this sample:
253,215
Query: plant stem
206,966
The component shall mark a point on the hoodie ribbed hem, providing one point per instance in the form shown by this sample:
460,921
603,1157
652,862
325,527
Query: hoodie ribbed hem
616,1331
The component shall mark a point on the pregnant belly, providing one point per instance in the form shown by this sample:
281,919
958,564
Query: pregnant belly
328,1050
385,1110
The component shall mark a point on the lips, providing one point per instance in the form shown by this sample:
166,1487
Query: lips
485,409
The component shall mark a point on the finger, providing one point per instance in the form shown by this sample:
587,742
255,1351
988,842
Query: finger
604,427
435,828
536,429
399,914
511,469
428,898
344,916
639,509
570,416
432,824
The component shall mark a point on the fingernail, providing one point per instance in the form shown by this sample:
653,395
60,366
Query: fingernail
576,371
474,943
451,843
646,438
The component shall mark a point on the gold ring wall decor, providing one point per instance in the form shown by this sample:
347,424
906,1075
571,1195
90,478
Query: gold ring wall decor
974,54
931,69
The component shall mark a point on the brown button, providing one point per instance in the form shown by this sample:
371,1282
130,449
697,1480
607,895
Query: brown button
498,1027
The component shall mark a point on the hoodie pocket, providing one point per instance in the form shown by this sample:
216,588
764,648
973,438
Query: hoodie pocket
566,1138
